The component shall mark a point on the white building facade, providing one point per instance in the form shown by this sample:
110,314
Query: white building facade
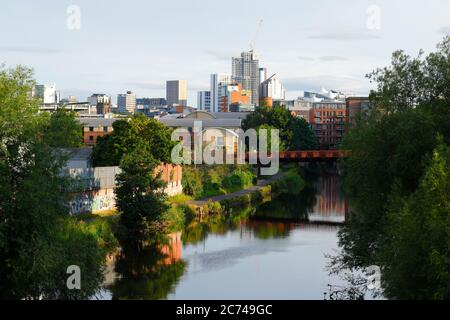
273,88
126,103
204,100
217,80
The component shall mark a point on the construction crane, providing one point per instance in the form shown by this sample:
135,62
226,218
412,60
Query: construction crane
252,44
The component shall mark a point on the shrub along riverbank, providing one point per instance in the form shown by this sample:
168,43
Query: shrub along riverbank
206,181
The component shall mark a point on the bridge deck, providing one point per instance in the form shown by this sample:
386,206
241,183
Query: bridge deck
311,155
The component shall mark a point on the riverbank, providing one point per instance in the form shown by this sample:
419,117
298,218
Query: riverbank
238,250
260,186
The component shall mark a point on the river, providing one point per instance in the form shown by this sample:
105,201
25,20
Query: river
275,251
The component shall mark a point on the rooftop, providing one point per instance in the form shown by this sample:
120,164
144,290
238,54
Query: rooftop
97,122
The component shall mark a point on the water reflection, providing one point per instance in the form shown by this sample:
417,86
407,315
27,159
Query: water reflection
275,251
148,273
330,204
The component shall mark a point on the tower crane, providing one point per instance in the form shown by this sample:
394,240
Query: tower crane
252,44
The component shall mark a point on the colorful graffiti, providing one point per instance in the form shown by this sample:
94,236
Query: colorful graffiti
90,202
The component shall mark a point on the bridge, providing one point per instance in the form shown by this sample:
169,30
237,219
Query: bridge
310,155
313,155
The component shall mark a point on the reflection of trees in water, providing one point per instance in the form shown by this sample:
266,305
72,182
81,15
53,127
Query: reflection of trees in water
145,274
269,230
198,228
288,207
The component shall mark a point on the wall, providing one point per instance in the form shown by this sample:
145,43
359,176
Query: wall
98,132
94,190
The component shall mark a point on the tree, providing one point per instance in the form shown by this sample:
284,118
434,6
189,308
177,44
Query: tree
38,239
192,181
140,197
415,252
127,135
295,133
384,177
63,130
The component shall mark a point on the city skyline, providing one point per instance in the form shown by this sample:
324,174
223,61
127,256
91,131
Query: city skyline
309,45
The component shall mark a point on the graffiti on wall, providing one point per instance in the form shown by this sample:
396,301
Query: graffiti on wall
90,202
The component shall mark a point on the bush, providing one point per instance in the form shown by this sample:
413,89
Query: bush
200,182
291,183
174,219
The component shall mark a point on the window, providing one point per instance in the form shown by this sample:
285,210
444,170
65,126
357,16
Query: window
105,129
91,138
91,129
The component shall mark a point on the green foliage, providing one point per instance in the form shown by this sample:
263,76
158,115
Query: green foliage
143,275
38,239
291,183
63,130
174,218
131,134
180,198
200,182
239,179
101,229
192,181
18,113
140,197
384,176
415,253
295,133
409,82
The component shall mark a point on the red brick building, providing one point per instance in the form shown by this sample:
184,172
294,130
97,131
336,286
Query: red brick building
357,106
328,121
94,128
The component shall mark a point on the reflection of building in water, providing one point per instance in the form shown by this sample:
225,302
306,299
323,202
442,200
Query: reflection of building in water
330,202
172,250
171,253
110,271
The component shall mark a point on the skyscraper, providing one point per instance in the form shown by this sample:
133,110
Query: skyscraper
176,92
245,70
262,75
126,103
217,79
204,100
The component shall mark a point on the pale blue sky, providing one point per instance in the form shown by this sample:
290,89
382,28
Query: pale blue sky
138,45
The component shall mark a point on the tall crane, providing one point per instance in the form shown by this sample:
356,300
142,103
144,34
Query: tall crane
252,44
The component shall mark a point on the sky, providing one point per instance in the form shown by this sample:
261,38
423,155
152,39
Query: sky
116,46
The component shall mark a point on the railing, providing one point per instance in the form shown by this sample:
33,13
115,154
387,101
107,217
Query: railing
314,154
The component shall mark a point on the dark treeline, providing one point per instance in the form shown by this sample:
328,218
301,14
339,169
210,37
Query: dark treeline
398,178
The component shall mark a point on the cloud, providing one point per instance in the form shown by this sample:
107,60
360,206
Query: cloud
323,58
344,83
332,58
445,30
223,55
305,58
147,85
30,50
344,36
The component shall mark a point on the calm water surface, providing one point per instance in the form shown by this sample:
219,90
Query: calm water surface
275,251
